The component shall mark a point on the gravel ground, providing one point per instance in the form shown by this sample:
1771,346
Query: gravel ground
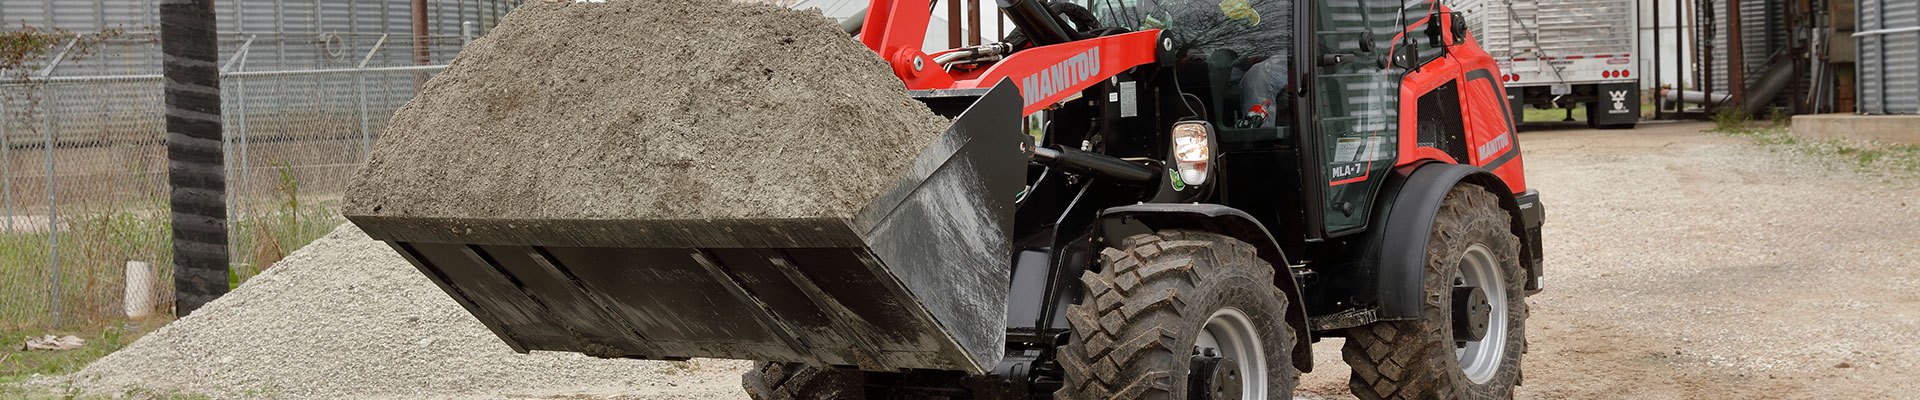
678,109
1690,265
345,317
1682,265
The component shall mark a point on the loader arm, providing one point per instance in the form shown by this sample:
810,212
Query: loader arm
895,29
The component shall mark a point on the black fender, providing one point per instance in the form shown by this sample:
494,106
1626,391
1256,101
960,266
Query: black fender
1118,223
1409,203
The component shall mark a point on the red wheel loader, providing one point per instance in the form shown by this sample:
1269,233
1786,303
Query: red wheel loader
1137,199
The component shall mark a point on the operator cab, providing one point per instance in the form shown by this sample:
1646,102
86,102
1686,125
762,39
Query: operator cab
1237,64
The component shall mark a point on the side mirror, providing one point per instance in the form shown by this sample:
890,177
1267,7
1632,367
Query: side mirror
1406,55
1397,57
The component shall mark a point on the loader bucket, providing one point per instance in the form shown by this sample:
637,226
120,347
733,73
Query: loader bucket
916,279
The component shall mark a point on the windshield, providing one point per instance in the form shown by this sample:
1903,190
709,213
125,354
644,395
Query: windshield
1200,26
1232,54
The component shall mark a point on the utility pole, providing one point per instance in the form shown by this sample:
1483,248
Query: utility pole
953,24
195,164
420,42
1736,61
973,23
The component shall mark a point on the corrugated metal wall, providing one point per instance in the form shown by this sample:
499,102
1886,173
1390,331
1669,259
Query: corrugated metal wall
1763,31
260,16
1889,68
289,34
277,35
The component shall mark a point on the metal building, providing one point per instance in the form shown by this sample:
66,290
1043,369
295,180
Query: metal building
306,87
1889,56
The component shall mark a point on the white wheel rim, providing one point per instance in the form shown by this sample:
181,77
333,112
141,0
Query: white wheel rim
1481,359
1231,334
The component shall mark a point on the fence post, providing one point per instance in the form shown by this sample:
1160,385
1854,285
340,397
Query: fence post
53,208
366,135
240,138
226,163
6,164
239,59
240,103
360,88
53,212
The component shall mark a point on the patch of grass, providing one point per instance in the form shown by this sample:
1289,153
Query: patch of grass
95,243
92,254
1780,117
1865,156
1531,114
1732,120
262,238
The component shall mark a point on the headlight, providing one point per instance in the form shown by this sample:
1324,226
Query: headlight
1193,151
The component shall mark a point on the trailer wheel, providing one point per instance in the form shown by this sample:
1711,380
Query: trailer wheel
1179,315
1468,342
794,381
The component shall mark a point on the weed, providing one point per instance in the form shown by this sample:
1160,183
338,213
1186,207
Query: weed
97,241
1780,117
266,236
1731,120
680,367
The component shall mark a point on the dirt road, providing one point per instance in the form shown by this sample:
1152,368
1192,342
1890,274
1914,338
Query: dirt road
1696,265
1685,264
1681,265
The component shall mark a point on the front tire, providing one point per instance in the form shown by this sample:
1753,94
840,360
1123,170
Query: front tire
1471,246
795,381
1160,299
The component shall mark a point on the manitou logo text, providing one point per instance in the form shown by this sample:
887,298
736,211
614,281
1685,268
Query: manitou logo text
1491,147
1060,76
1619,100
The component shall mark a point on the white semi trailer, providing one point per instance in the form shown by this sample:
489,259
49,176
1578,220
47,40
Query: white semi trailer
1563,53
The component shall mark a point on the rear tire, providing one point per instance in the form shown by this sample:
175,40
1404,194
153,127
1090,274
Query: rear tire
1420,359
1159,297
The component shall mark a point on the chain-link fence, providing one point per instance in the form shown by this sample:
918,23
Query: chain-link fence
83,190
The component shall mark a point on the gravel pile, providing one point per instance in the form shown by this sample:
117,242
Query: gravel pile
347,317
676,109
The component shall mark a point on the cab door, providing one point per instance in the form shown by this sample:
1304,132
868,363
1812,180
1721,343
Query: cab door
1355,108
